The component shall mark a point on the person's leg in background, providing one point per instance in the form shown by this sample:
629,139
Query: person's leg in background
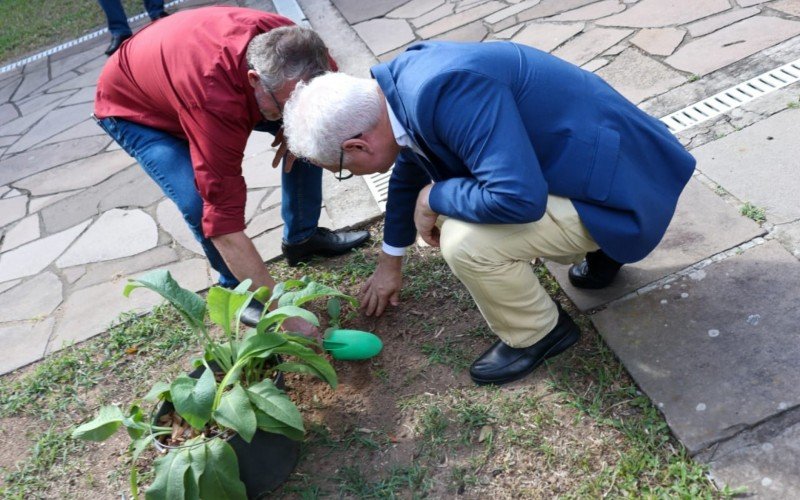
166,160
155,9
494,263
117,23
301,205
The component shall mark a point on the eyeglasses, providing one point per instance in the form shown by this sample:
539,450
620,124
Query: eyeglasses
275,100
339,176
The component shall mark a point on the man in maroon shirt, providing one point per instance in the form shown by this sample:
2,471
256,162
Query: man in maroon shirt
182,97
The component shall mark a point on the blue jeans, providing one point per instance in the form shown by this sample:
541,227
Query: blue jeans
166,160
118,20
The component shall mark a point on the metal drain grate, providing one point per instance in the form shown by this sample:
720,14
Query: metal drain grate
733,97
678,121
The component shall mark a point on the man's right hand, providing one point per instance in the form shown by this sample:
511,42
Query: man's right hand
384,286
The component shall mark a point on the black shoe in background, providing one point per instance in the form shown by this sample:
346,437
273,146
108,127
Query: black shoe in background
116,41
502,364
325,243
597,271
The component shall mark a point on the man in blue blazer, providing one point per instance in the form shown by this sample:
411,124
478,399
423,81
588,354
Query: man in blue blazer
502,154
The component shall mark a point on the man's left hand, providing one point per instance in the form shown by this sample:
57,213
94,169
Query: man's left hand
425,218
282,152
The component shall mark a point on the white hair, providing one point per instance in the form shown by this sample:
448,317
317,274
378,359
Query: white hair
328,110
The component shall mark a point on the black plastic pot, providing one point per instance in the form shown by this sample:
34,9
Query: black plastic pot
266,461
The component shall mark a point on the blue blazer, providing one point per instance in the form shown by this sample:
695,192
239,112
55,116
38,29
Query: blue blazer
502,125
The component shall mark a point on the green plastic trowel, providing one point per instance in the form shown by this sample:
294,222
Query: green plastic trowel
351,345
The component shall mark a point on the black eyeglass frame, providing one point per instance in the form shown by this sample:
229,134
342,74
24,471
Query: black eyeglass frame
339,175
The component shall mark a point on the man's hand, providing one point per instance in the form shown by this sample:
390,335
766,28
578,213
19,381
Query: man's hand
303,327
425,218
283,151
384,286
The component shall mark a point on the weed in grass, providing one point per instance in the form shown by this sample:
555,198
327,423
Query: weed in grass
793,105
547,280
50,457
411,479
449,352
753,212
432,426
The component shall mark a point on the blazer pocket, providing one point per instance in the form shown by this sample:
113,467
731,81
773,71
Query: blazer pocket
604,165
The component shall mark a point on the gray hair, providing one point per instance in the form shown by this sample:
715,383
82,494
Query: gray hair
287,53
325,112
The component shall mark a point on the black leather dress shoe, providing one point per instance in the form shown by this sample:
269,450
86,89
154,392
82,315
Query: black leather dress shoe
501,363
252,313
596,271
116,41
325,243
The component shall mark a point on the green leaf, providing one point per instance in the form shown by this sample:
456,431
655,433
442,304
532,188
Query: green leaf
324,370
134,422
284,312
223,305
269,424
236,412
104,425
188,303
159,390
284,287
313,290
334,311
220,480
262,294
259,343
197,465
194,398
279,407
171,472
265,388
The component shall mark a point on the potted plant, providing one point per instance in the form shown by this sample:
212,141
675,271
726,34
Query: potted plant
211,421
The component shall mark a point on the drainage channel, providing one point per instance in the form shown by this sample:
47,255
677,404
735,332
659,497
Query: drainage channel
678,121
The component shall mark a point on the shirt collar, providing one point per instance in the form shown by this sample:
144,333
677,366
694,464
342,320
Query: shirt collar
401,135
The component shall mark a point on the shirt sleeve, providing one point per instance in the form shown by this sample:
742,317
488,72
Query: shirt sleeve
477,118
407,179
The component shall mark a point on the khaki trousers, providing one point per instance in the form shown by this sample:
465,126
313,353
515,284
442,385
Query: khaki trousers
494,263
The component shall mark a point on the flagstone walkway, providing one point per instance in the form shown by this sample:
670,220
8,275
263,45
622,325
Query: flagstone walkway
706,325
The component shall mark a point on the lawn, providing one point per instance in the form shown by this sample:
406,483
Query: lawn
408,423
28,26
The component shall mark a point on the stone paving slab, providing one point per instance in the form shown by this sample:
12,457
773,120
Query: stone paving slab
639,77
712,351
659,41
658,14
38,160
731,44
764,460
24,342
589,44
547,36
90,310
78,174
789,236
356,11
114,270
703,225
34,257
32,300
759,164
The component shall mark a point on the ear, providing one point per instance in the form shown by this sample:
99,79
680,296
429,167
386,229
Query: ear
253,78
357,144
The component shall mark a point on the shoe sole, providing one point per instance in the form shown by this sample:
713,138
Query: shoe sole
559,347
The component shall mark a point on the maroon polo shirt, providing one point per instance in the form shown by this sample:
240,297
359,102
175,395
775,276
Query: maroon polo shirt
186,74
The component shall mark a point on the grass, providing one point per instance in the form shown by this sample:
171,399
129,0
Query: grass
751,211
55,392
579,428
32,25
